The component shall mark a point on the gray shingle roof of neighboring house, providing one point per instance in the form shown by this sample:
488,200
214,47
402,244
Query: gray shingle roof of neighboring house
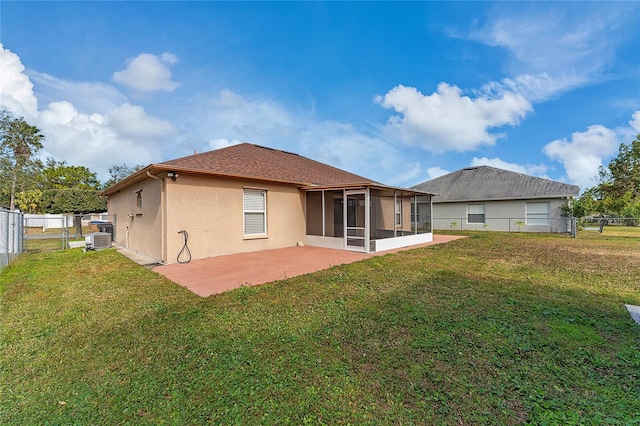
489,183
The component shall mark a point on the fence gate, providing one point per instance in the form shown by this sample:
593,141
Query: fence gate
10,236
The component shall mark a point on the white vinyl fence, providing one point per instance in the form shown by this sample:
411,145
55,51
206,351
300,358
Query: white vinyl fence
11,242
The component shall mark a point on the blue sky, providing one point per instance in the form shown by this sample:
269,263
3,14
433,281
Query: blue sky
400,92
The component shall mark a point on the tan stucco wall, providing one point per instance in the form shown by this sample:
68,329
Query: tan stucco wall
406,214
134,228
314,213
211,211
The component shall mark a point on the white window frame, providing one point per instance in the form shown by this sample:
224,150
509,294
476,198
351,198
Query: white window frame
251,208
538,214
484,214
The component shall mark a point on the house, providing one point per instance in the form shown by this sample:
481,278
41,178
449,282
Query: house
486,197
248,198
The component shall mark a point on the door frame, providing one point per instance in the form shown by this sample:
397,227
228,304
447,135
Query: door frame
356,230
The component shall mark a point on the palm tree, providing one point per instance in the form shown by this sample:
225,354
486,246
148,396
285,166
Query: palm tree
19,142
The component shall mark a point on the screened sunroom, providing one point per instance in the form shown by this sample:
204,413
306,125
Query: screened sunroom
367,219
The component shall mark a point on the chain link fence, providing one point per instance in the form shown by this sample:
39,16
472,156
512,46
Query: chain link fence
506,224
11,232
611,226
49,232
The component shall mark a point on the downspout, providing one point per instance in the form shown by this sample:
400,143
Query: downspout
163,224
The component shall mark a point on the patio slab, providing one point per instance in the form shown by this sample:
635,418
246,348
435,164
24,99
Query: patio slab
215,275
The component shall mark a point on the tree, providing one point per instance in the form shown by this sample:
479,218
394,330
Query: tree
117,172
618,192
73,200
623,173
19,142
29,201
580,206
59,175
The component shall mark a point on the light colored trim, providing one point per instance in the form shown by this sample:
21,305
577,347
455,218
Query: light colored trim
403,241
327,242
486,200
484,213
264,212
548,213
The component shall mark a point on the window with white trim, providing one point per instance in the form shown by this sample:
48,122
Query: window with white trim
255,211
475,213
538,214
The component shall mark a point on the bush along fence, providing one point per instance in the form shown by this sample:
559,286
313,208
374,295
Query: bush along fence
11,236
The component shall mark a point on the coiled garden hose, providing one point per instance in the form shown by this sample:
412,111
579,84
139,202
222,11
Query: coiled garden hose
185,252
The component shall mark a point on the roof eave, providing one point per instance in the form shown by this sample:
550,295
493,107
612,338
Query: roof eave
533,197
363,185
155,169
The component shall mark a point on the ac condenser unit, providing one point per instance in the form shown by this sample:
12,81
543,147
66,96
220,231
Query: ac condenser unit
98,240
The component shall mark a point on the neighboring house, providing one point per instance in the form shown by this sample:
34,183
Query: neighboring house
248,198
485,197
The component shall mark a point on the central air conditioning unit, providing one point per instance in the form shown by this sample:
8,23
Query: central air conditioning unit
97,241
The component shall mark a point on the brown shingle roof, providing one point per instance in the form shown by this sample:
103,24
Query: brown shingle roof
257,162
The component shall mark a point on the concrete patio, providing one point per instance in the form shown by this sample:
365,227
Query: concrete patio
215,275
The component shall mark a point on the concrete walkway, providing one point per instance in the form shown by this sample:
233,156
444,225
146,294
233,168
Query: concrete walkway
215,275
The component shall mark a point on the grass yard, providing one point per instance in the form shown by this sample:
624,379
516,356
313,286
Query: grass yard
615,231
492,329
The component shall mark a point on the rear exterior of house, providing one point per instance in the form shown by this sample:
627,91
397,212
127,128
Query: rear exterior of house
488,198
249,198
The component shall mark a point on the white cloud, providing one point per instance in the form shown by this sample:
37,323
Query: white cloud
535,87
107,131
539,170
447,120
16,94
87,97
583,154
342,146
132,122
557,48
230,117
435,172
222,143
98,141
635,121
148,73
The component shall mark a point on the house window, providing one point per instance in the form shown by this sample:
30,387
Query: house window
255,211
139,201
538,214
475,213
398,212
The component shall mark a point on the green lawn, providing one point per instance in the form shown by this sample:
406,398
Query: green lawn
492,329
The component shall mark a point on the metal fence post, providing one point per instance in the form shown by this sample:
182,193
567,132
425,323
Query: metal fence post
7,237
